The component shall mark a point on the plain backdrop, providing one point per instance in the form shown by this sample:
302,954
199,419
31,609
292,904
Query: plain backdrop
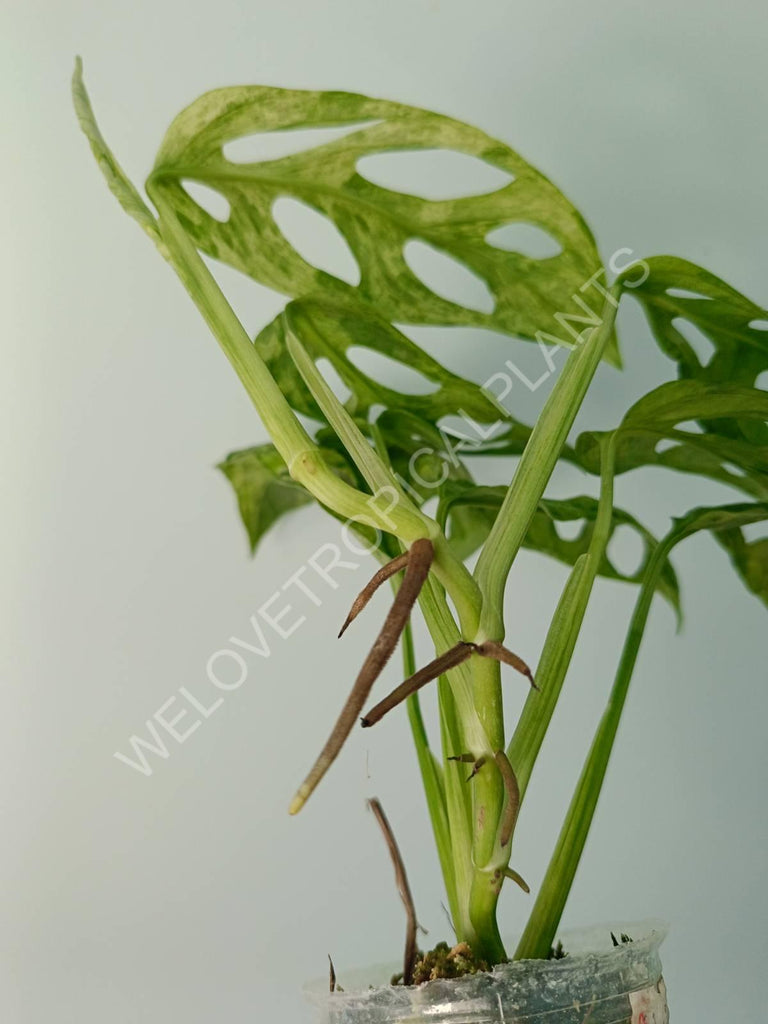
190,895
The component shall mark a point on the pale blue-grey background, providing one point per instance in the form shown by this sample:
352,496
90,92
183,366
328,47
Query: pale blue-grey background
190,895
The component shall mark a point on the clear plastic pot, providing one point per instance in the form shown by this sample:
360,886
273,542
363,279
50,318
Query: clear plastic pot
596,983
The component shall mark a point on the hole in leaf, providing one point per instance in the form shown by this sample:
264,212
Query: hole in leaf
528,239
448,278
684,293
665,445
698,341
254,304
331,376
690,426
208,199
430,508
626,550
485,357
433,173
759,325
569,529
762,380
455,348
316,238
755,531
390,372
274,145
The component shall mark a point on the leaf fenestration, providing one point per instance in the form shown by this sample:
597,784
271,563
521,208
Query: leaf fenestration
484,502
377,223
676,291
330,328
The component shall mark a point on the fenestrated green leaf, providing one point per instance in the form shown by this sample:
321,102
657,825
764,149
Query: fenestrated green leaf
678,401
642,450
556,885
732,446
735,457
658,416
676,291
377,223
330,328
543,535
264,488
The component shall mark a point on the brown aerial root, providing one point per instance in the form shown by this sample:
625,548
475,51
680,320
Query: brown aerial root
450,659
403,888
509,818
331,974
419,561
517,879
497,651
386,572
476,762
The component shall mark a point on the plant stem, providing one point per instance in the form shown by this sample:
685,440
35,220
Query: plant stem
432,777
535,468
458,799
563,633
562,868
461,731
550,674
406,520
556,885
488,857
455,695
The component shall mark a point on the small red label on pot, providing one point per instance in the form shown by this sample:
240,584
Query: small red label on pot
649,1006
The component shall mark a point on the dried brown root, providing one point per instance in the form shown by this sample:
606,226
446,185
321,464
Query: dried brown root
476,762
450,659
476,768
385,573
417,570
517,879
331,974
493,649
509,818
403,888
